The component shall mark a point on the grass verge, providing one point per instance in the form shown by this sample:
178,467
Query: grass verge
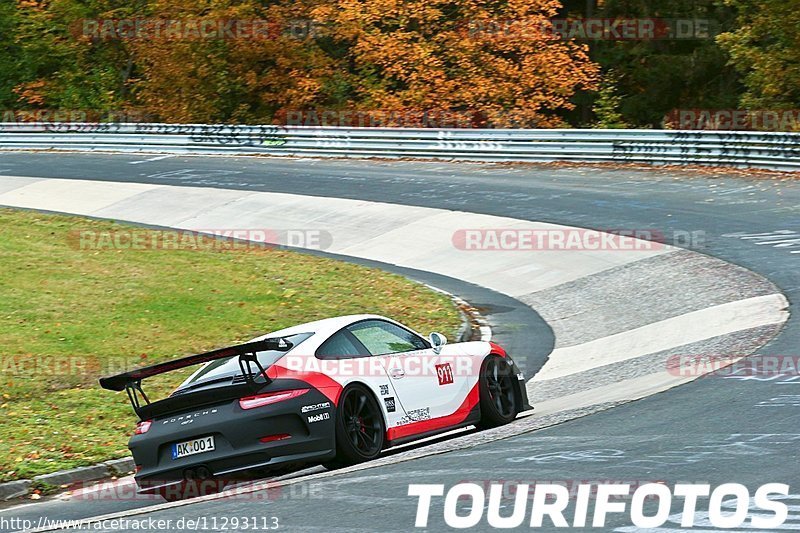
69,315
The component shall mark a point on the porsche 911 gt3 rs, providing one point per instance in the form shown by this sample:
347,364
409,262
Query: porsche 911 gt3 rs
336,391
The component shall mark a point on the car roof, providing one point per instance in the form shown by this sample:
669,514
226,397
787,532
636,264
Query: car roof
322,328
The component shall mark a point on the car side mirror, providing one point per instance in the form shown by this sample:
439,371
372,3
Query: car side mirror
437,340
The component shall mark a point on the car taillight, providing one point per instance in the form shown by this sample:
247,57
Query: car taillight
273,438
251,402
143,427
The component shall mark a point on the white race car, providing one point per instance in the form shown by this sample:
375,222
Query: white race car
336,391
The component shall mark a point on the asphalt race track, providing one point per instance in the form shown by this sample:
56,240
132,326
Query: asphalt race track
715,430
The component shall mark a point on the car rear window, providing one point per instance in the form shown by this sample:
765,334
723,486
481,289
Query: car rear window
228,368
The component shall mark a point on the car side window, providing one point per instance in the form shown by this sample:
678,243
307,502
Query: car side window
341,345
381,338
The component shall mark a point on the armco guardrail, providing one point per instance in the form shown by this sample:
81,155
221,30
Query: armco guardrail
777,151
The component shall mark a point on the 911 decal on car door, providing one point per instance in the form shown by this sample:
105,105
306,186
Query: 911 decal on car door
427,385
445,374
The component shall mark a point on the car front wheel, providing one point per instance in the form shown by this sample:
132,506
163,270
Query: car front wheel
497,396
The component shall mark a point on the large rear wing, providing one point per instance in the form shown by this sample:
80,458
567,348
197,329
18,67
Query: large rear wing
131,382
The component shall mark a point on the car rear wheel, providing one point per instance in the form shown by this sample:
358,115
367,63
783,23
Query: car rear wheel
497,396
360,429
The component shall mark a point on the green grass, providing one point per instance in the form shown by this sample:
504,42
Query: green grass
68,316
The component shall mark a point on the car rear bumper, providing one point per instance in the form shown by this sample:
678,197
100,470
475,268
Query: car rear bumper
302,429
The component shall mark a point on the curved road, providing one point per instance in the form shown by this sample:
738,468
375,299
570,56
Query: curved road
715,430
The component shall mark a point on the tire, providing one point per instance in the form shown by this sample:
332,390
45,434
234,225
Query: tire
360,431
498,398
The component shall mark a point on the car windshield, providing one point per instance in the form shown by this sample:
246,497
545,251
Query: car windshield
225,369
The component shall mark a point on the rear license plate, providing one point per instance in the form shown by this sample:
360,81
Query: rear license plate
192,447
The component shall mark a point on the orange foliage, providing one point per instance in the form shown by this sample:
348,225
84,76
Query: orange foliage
241,79
402,56
33,93
437,54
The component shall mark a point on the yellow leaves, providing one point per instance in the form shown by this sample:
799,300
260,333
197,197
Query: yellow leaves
29,4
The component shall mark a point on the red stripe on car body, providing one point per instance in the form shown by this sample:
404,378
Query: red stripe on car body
441,422
498,350
328,386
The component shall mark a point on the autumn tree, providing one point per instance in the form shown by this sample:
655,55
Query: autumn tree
765,49
481,56
493,61
243,72
372,55
56,66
